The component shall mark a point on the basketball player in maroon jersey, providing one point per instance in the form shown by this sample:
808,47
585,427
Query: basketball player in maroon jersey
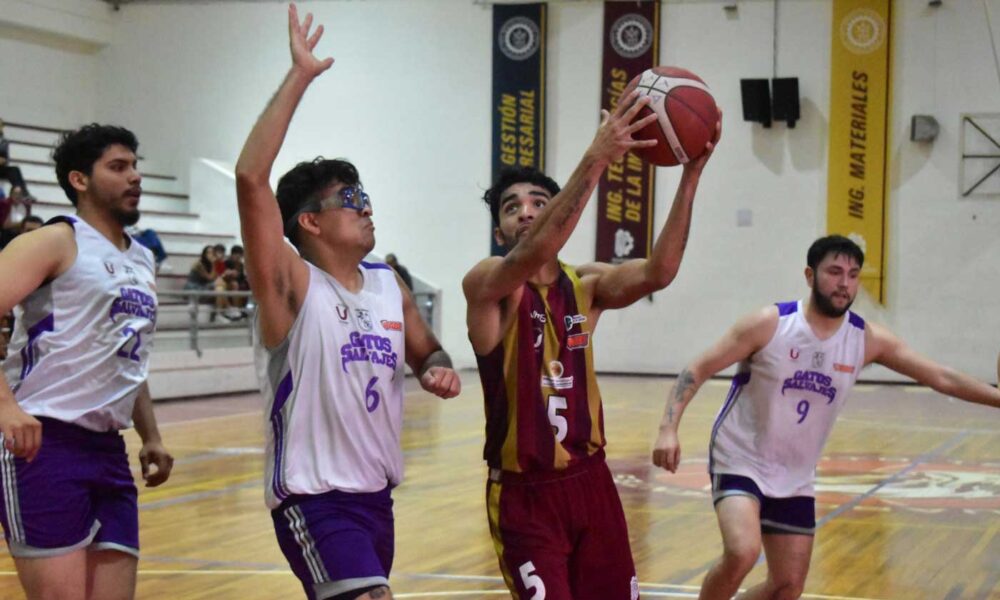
555,516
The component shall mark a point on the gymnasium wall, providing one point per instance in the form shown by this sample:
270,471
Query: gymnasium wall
408,102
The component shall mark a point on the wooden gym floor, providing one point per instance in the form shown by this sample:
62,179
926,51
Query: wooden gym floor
908,504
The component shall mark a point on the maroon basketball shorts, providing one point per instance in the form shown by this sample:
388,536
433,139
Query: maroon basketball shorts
561,535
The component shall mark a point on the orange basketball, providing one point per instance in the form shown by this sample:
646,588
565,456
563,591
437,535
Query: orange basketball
685,110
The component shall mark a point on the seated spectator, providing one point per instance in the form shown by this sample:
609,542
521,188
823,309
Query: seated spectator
10,173
219,265
29,223
202,277
233,279
404,273
149,239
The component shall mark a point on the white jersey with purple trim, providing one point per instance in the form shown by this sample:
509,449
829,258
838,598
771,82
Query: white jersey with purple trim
783,403
334,388
80,346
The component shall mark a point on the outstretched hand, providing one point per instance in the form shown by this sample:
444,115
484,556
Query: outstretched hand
699,163
302,44
614,136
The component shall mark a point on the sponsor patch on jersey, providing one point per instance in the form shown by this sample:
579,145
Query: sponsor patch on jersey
392,325
578,340
572,320
843,368
537,316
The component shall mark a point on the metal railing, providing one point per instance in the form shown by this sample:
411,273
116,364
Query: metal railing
199,303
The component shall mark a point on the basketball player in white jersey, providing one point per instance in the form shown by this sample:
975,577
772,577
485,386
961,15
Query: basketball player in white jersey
334,333
798,361
76,374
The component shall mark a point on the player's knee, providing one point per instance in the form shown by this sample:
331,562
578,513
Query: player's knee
788,588
382,592
740,558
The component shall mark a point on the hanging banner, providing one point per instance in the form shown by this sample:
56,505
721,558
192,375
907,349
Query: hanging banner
859,107
518,89
625,193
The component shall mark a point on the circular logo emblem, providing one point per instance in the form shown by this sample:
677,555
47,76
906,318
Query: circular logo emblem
863,31
631,35
556,368
519,38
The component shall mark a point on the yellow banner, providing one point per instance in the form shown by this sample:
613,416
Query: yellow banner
859,111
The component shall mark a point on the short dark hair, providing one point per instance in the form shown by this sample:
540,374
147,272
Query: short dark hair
835,245
236,249
32,219
79,150
219,248
305,181
508,177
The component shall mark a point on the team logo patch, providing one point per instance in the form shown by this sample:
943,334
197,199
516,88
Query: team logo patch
632,35
794,353
578,340
843,368
818,359
519,38
572,320
391,325
364,318
131,275
110,268
555,377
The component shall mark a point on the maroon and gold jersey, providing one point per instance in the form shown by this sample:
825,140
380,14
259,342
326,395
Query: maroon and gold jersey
543,408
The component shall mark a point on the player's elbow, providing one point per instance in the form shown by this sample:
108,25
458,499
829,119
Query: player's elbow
944,380
661,277
250,179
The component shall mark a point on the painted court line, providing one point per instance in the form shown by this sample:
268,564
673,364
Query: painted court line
916,462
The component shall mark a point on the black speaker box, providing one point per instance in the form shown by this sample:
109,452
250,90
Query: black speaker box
785,99
756,101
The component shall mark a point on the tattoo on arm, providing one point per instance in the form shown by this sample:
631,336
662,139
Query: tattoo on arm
570,208
684,382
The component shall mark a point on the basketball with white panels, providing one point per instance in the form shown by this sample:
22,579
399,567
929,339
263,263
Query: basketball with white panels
685,110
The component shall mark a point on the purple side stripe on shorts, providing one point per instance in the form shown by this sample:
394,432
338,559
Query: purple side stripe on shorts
278,426
47,323
11,500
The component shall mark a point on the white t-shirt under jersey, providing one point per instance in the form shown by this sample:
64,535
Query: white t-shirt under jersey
335,389
783,403
80,346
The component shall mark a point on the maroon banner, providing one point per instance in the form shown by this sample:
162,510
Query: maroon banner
625,192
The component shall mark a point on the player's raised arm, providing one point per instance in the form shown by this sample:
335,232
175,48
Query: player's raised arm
26,263
884,348
748,335
620,285
495,277
278,276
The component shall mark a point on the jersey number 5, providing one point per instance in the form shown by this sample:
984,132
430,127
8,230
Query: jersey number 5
531,580
558,422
